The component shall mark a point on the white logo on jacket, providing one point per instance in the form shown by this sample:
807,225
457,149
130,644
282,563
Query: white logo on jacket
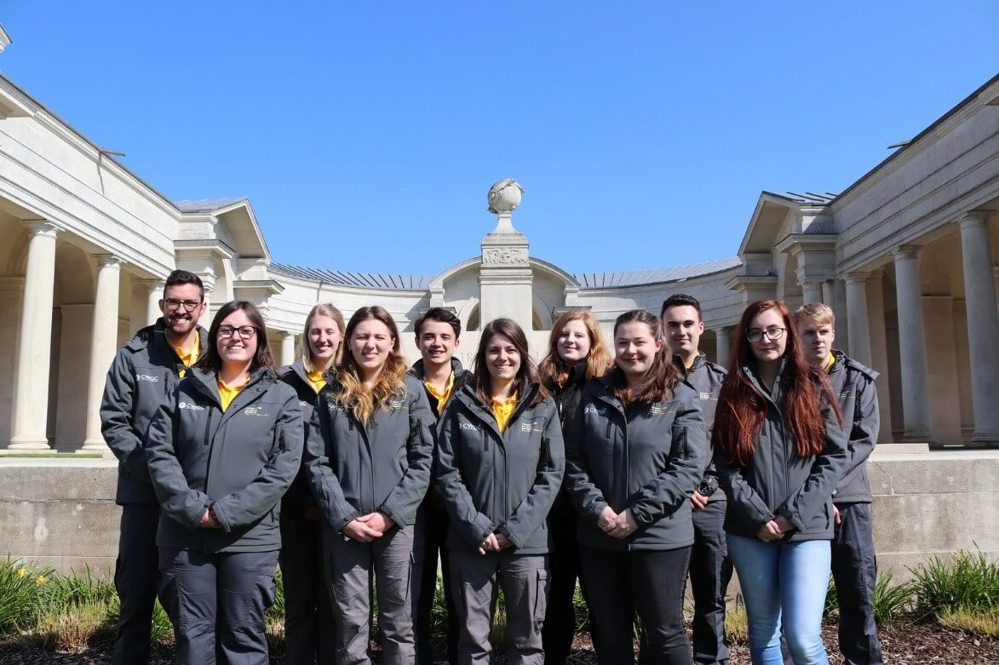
191,406
147,377
592,409
470,427
536,426
256,411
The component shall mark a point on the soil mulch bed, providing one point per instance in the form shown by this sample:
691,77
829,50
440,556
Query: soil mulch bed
903,644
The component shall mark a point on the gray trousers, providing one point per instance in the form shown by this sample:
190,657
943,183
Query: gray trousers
136,578
349,565
524,581
218,604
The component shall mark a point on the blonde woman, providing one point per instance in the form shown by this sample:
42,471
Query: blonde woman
368,459
308,616
576,354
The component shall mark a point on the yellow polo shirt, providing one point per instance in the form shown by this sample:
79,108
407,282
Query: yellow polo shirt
316,380
828,364
188,358
227,394
503,409
443,396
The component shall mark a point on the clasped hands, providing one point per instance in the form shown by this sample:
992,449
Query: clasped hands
494,542
617,525
775,529
366,528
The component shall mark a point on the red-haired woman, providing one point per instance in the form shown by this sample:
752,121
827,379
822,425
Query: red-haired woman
633,457
779,448
576,354
368,458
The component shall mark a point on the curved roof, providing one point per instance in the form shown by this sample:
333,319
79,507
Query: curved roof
603,280
588,280
361,279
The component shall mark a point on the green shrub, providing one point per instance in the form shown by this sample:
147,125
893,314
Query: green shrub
892,602
22,587
967,582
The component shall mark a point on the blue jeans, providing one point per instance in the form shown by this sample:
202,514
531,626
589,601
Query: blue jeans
777,576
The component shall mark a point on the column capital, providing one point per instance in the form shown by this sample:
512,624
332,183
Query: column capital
857,277
973,219
906,252
108,261
41,227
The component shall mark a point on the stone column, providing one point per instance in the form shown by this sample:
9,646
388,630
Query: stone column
722,349
31,378
287,348
153,300
879,353
103,346
912,346
857,325
827,293
983,326
811,292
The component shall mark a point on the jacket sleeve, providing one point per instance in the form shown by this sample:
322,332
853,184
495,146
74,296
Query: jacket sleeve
586,496
178,501
336,510
806,503
744,503
533,510
671,488
116,417
465,517
866,425
245,506
404,500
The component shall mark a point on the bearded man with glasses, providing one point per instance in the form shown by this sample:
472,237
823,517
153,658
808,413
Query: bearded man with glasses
142,377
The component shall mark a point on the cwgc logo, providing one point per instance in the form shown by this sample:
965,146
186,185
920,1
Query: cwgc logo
704,396
396,404
591,409
256,411
147,377
191,406
535,426
660,410
302,404
469,427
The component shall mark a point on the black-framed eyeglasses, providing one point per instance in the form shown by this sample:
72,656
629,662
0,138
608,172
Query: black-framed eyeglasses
244,332
173,303
773,333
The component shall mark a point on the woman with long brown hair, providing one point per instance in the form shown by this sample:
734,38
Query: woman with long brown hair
308,615
576,354
634,455
779,449
368,458
500,464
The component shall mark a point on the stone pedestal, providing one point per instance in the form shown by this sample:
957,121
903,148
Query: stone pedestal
505,277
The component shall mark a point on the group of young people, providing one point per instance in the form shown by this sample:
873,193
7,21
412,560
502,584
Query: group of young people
622,466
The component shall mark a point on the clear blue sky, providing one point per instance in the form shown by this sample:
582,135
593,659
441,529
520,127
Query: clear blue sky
366,134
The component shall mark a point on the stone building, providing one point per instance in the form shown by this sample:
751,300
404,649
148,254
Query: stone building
903,256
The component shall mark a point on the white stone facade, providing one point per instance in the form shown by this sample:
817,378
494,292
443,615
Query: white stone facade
903,256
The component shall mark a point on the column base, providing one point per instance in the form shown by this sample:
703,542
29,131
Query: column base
97,446
918,437
29,444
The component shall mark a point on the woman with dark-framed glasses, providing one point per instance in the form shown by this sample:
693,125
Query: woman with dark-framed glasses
221,454
779,449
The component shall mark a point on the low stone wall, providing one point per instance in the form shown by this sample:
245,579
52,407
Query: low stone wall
61,513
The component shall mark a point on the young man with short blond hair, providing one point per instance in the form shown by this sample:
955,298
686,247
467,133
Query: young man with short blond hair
854,564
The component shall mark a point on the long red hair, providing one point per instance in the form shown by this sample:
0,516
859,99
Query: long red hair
742,407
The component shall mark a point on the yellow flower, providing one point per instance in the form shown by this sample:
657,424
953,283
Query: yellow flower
40,580
22,571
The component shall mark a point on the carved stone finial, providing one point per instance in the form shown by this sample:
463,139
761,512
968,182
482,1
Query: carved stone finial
504,196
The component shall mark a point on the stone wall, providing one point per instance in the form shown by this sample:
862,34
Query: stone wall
61,513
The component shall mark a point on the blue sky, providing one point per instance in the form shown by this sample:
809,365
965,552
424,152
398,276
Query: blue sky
366,134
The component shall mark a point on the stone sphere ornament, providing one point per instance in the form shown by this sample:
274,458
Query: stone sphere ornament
504,196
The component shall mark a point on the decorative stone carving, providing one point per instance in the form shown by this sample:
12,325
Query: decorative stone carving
504,255
504,196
